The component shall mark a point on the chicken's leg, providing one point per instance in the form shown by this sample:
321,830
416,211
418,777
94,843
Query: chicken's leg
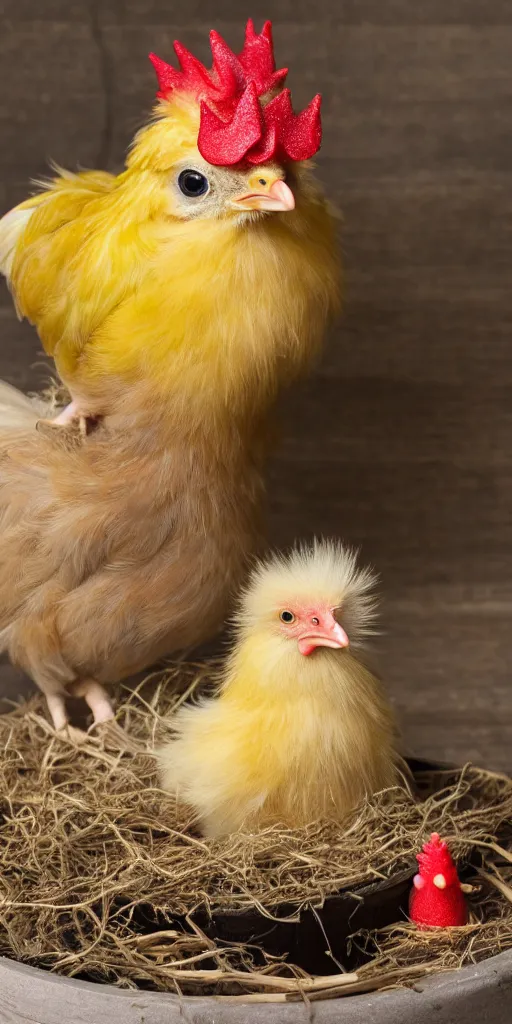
57,708
103,714
95,696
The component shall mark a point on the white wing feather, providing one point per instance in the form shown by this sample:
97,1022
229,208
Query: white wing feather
11,227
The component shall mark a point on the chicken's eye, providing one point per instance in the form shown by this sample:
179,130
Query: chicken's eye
287,617
193,184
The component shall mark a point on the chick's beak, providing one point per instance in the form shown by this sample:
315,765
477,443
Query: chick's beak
328,634
266,193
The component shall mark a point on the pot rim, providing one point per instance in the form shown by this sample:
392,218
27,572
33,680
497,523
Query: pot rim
30,992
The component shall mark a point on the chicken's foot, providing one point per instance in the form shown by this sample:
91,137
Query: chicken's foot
73,413
104,725
73,420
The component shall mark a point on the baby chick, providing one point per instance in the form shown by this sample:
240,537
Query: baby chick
300,729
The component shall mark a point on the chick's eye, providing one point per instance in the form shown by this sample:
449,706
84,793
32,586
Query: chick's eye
287,617
193,184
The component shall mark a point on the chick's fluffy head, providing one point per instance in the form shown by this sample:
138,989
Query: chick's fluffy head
325,572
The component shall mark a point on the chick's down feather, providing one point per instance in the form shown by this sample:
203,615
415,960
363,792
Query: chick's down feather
290,737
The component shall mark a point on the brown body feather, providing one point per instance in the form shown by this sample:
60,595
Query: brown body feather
118,548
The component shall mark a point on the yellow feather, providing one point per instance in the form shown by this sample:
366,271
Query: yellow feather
289,738
122,290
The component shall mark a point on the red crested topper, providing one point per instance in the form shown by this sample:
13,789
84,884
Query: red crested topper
437,899
246,113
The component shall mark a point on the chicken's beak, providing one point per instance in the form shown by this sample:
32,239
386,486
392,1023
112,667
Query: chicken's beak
329,634
266,193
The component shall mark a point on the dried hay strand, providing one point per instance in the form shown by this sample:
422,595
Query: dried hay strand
102,874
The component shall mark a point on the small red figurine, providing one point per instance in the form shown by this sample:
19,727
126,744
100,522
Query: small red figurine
437,900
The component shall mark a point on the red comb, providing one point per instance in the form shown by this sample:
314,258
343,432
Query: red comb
435,857
235,124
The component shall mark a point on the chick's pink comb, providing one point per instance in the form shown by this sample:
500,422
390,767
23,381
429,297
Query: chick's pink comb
246,113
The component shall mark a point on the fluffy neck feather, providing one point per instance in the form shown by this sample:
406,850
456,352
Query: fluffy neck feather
224,315
266,670
326,713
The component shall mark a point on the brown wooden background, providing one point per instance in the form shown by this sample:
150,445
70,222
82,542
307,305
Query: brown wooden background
402,442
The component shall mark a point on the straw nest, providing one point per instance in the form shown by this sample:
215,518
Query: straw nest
101,875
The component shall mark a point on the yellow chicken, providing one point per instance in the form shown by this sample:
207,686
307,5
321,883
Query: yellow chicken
175,298
300,729
203,267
